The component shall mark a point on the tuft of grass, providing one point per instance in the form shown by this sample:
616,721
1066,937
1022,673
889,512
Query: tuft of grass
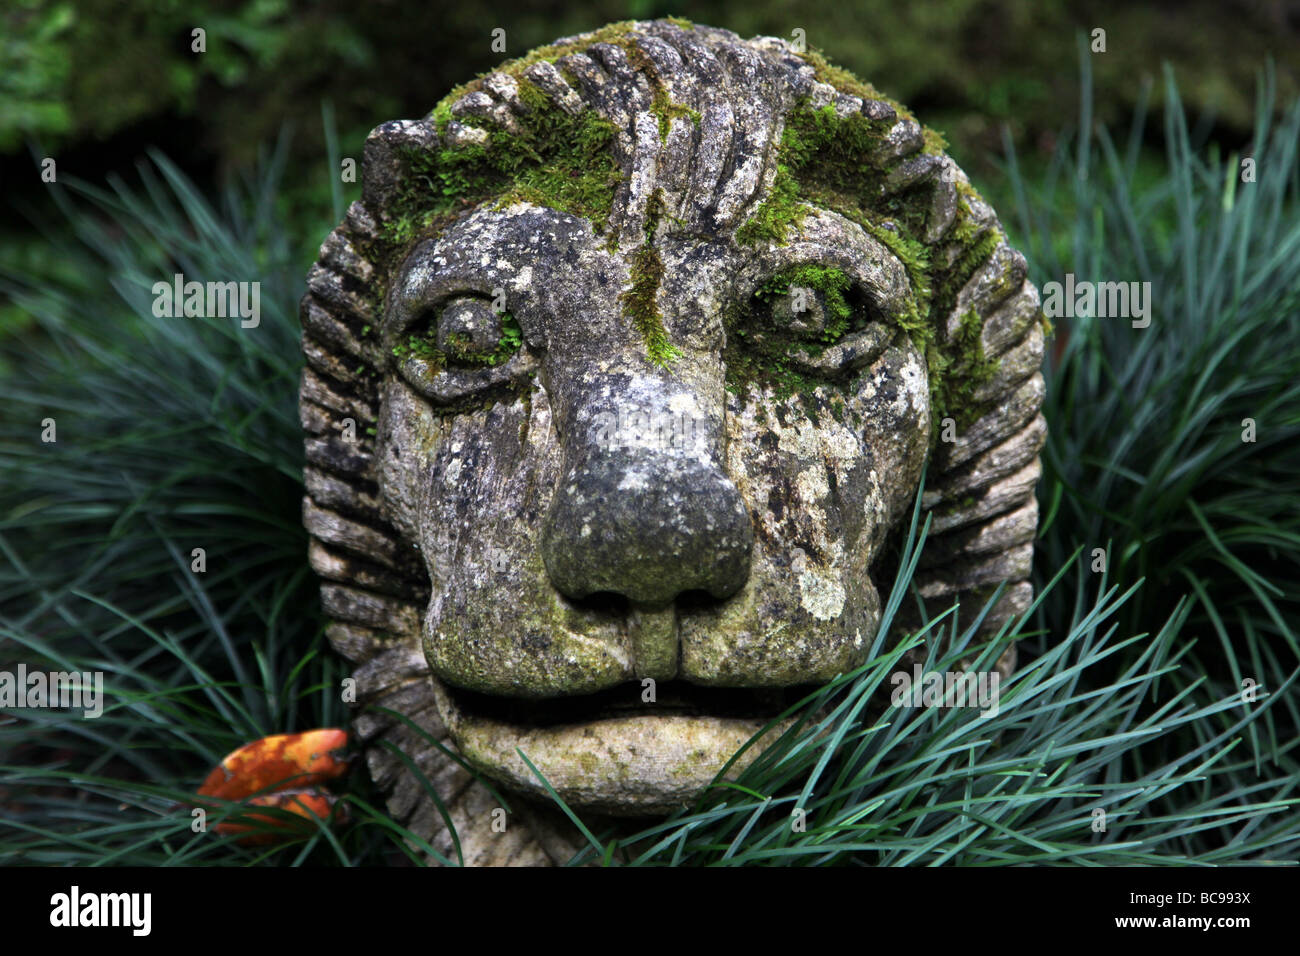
1146,455
172,434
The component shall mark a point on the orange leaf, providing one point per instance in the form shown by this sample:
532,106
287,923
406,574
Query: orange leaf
279,761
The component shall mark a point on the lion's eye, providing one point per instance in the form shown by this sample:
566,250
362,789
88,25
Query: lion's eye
812,319
460,348
808,316
465,332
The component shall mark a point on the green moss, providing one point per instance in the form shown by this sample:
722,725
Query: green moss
824,161
776,214
665,110
956,505
837,152
833,162
911,252
966,371
580,181
639,302
555,159
640,306
831,282
441,115
933,142
662,105
547,54
949,284
846,82
966,230
654,212
821,156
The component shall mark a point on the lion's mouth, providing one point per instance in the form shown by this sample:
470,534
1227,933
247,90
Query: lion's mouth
615,751
631,699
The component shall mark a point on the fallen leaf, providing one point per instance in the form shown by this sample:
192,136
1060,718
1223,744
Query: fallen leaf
280,761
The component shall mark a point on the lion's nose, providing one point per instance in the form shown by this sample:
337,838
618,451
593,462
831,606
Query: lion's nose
647,519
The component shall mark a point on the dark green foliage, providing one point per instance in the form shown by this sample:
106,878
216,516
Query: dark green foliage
1145,455
173,434
272,60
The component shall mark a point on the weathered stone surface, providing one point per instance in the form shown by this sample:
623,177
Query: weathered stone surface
317,391
1011,413
646,410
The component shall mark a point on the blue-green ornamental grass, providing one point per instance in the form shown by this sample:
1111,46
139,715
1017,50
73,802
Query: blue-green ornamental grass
1122,738
1147,453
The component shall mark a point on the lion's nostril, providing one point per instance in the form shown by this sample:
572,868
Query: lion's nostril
606,603
694,601
648,527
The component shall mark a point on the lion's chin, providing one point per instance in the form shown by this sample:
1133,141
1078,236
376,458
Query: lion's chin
603,755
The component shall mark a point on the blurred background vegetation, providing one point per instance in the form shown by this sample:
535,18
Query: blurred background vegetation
98,81
95,83
111,77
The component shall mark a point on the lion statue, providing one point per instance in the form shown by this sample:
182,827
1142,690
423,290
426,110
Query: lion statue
618,380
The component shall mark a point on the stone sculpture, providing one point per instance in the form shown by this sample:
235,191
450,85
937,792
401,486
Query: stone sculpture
624,369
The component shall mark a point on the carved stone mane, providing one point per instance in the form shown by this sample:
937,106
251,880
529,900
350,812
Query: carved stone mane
607,230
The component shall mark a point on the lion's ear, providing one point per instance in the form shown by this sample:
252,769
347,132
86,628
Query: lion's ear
387,156
985,465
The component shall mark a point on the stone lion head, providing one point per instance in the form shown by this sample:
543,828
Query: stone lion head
619,378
